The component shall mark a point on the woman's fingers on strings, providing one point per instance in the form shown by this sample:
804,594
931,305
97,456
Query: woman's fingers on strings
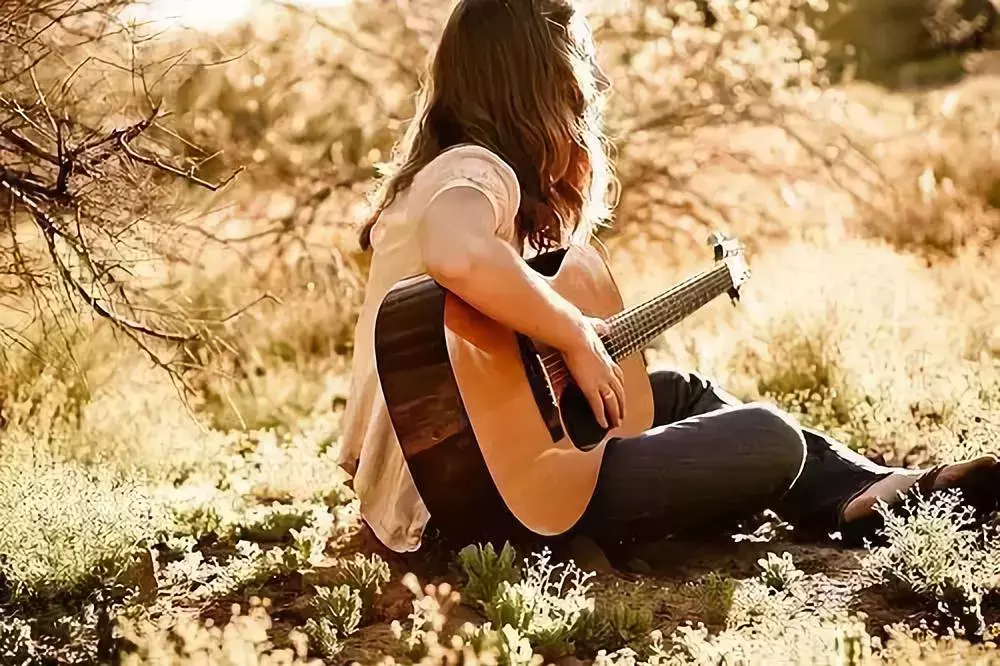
612,403
597,403
619,389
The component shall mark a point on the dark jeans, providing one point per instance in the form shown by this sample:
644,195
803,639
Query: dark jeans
710,461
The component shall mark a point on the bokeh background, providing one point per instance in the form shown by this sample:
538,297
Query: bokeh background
181,185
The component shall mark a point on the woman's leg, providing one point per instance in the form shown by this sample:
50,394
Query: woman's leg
703,471
707,461
699,467
838,490
832,477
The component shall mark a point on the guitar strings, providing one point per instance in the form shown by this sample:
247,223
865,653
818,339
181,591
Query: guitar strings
705,278
631,334
557,370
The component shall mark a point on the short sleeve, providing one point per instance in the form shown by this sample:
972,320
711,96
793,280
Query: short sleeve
475,167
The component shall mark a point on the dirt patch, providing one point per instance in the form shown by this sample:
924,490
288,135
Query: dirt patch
676,581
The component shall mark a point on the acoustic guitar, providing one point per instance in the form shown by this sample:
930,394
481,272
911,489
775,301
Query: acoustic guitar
495,433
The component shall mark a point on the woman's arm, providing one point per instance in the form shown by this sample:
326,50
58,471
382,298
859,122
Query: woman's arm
463,254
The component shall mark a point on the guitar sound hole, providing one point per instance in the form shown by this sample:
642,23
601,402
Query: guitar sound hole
578,419
540,389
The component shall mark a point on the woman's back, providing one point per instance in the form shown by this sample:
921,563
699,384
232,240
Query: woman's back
389,501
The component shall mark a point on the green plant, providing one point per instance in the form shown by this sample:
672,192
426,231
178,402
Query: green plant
717,591
853,646
654,654
424,641
274,522
932,552
195,577
507,645
290,466
197,520
612,625
778,573
806,639
340,605
324,635
486,570
68,529
367,575
309,544
245,639
547,605
337,615
431,606
317,527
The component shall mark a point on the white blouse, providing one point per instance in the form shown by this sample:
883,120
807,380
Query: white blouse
390,503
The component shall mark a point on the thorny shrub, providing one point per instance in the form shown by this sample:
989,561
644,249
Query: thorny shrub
933,550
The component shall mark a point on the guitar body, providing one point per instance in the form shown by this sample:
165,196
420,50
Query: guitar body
496,440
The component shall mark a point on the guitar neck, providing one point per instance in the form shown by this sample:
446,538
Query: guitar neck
634,329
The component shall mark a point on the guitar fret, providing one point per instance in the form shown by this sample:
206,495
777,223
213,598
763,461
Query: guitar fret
688,303
635,328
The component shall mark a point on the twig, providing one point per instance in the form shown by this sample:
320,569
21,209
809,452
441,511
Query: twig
27,145
123,141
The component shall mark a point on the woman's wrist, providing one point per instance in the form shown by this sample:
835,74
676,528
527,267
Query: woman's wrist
575,332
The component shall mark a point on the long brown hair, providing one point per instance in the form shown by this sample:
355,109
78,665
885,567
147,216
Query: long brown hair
518,77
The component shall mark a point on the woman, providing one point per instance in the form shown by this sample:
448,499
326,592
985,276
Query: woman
506,157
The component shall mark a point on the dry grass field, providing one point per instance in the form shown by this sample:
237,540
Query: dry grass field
174,360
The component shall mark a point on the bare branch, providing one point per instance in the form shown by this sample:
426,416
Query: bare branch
123,141
50,231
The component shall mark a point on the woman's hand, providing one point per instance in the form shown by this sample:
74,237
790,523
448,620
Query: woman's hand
596,373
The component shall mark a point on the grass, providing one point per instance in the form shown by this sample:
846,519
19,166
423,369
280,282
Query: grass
67,529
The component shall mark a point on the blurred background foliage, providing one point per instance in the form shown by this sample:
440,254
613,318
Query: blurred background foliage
791,123
316,98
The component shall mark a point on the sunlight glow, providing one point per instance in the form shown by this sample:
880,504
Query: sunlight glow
202,15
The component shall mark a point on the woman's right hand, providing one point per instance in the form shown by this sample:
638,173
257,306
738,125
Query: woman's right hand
596,373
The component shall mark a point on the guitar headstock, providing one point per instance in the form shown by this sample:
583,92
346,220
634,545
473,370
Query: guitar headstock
730,251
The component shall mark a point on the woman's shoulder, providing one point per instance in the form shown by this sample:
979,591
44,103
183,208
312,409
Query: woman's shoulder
473,153
472,164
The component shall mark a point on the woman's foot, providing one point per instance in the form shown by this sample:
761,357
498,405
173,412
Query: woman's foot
978,479
885,490
952,475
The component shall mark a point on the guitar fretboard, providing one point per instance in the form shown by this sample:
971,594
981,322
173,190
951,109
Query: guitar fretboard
635,328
